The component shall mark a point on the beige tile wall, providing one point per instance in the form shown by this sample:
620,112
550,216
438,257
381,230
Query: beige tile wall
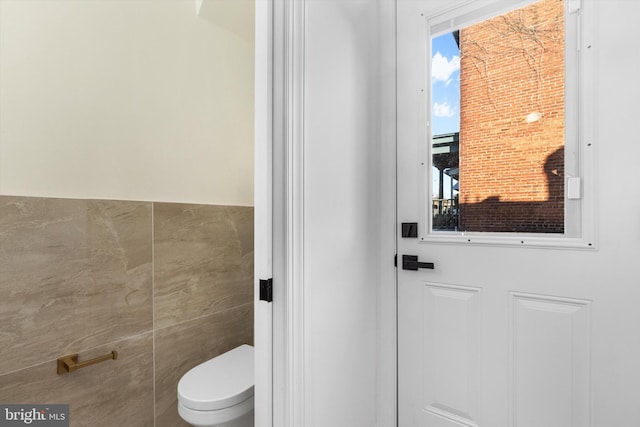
166,285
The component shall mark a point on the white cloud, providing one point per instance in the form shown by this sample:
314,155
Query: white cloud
443,110
442,68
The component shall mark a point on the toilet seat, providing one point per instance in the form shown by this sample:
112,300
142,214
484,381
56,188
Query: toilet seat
226,381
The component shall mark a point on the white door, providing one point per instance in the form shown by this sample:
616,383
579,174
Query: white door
526,327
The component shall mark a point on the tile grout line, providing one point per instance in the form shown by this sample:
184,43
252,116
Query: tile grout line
153,309
182,322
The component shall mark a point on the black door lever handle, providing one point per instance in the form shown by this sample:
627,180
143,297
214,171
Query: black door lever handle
410,262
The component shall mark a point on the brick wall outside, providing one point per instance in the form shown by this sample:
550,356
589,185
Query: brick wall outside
511,170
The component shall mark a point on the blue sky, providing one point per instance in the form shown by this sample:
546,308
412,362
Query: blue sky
445,92
445,84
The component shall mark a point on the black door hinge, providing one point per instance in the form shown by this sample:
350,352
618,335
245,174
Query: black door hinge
266,290
395,260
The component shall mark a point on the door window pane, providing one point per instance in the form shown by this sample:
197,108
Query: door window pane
498,123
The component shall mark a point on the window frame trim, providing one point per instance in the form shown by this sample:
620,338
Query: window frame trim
580,214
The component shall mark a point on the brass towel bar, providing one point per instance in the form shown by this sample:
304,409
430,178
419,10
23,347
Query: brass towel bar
70,363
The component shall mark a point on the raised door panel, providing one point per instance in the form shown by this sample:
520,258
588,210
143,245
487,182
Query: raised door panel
452,353
550,361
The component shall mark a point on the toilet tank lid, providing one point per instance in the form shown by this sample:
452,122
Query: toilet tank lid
219,383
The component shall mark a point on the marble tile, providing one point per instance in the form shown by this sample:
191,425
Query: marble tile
203,260
112,393
73,275
180,347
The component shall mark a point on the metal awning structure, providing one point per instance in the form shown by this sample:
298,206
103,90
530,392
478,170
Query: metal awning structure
445,150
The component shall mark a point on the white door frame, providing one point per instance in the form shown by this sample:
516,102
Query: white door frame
288,318
278,234
263,208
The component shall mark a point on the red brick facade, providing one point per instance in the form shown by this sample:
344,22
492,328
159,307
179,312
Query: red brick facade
512,121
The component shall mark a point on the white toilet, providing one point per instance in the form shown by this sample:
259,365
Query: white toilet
219,392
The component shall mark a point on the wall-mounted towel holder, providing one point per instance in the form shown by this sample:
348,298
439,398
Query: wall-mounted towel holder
68,364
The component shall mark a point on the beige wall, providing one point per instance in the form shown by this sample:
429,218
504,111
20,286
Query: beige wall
166,285
127,100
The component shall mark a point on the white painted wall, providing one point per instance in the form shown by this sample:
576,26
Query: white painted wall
334,215
340,213
233,15
349,187
136,100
